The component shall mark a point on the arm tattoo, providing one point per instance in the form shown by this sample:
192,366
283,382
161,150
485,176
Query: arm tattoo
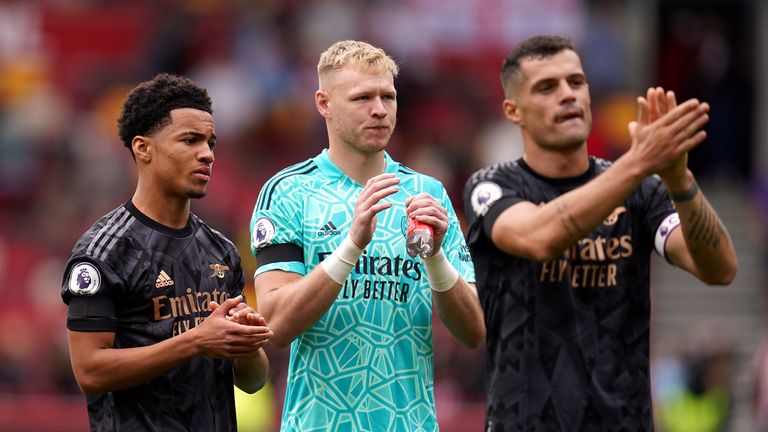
705,229
570,225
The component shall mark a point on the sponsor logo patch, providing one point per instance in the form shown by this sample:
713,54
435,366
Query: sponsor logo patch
84,279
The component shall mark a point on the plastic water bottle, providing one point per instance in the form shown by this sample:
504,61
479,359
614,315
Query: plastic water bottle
420,239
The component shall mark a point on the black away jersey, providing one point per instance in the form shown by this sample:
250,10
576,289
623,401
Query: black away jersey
567,340
146,283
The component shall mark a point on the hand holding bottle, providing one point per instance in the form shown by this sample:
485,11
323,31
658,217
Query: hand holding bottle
420,239
427,224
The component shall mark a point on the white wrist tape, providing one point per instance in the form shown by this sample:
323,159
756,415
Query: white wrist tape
340,263
440,273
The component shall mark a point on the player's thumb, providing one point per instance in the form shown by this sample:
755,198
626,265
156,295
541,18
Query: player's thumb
643,116
632,126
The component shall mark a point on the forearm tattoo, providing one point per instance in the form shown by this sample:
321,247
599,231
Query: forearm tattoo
705,229
570,225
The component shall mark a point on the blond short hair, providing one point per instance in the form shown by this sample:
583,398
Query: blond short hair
360,54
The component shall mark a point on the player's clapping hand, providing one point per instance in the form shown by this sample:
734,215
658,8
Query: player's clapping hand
225,335
664,131
657,102
660,103
244,314
425,208
369,204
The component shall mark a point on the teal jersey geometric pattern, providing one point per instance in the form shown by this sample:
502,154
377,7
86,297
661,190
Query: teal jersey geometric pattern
367,364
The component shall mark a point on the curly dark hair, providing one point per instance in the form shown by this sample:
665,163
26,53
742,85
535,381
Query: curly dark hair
148,106
534,47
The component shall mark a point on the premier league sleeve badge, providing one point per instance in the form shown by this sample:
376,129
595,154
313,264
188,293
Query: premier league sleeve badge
84,279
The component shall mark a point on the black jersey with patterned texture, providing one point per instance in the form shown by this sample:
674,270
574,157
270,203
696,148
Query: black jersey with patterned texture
568,339
146,283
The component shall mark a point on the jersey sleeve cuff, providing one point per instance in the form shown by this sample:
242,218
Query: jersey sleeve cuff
291,267
101,324
283,252
497,209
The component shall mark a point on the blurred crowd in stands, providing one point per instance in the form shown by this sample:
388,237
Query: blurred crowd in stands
65,67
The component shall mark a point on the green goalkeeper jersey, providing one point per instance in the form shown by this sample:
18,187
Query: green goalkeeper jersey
366,365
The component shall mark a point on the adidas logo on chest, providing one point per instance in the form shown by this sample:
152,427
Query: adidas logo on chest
163,280
329,229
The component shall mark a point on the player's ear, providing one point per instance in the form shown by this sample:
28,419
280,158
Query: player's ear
141,147
512,111
322,103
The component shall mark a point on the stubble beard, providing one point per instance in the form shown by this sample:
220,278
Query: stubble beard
197,194
567,142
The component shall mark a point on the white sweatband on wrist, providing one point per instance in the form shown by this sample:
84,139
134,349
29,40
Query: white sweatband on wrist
340,263
441,275
662,233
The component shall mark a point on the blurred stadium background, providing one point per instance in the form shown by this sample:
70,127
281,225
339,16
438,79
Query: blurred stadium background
66,65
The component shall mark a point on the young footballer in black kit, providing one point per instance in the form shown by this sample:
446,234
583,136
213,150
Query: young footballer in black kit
561,243
158,328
